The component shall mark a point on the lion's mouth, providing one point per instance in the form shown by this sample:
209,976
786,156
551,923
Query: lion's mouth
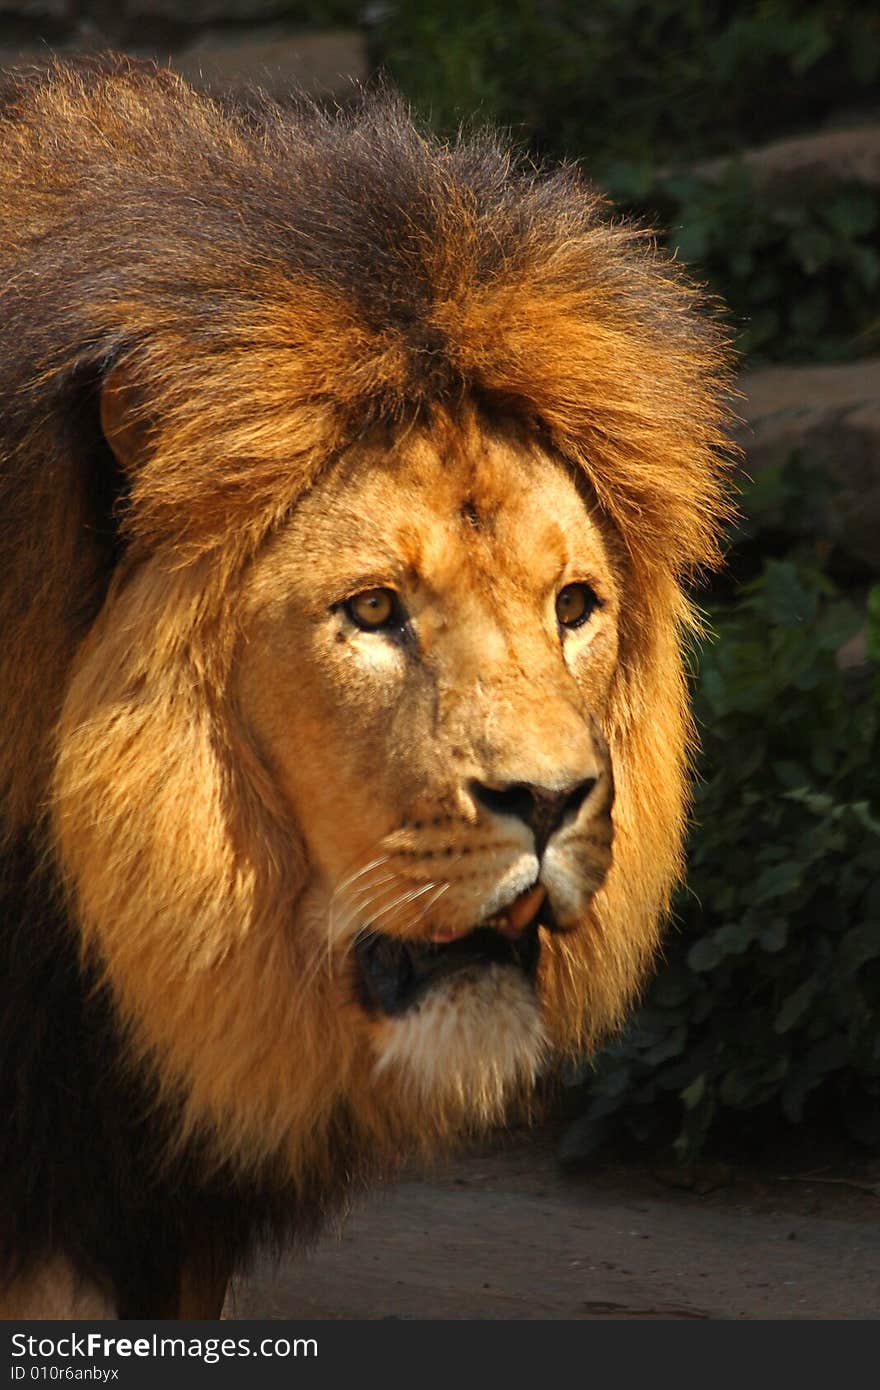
395,974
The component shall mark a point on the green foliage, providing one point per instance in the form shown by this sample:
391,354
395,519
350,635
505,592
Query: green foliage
799,271
769,997
624,79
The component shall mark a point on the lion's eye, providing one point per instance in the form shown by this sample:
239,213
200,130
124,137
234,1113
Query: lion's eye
374,609
574,604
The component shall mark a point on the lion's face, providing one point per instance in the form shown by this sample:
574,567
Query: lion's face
427,653
335,819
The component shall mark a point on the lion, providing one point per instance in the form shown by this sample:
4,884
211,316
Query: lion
351,481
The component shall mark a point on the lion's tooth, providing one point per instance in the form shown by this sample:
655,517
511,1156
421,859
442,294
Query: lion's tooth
523,910
443,934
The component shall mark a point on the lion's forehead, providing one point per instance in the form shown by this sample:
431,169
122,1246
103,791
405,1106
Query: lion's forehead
463,513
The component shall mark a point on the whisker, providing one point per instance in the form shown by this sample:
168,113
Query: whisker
359,896
428,906
338,923
371,925
373,929
406,898
349,904
352,878
343,907
370,885
366,899
338,926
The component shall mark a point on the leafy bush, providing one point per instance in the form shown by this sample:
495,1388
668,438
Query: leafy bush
627,78
769,997
799,272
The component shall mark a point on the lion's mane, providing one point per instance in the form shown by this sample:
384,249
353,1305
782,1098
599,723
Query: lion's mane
277,281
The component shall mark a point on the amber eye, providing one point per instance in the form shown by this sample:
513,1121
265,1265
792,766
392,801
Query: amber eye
574,604
374,609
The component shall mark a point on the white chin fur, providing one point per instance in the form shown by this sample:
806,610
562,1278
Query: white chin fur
474,1040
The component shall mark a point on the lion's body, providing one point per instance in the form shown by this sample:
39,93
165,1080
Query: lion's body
257,368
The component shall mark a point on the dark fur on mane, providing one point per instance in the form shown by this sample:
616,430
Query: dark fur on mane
84,1150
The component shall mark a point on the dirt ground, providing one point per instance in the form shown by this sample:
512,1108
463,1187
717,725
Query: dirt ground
504,1233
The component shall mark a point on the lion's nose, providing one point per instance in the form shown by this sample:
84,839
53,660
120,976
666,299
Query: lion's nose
542,809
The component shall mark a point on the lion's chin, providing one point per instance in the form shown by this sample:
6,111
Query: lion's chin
474,1041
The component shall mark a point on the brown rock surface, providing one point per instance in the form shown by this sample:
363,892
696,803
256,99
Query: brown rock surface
829,415
36,9
325,63
828,156
205,11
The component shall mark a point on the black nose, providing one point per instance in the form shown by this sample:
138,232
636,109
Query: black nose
542,809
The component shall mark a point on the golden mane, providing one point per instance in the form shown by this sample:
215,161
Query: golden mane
275,284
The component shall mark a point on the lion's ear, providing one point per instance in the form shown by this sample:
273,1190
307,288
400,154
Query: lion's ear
124,421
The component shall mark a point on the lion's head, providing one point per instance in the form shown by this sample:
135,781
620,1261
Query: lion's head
412,448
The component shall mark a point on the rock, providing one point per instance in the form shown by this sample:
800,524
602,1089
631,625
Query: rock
819,160
329,62
830,416
803,164
36,9
326,63
853,655
203,11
